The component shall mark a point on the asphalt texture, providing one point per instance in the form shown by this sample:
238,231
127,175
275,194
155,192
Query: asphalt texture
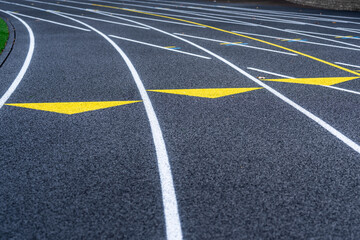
244,166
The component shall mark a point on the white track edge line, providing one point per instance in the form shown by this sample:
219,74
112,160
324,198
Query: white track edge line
26,63
172,219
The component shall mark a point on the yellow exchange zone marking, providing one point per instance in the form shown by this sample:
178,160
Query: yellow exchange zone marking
314,81
71,107
206,93
241,35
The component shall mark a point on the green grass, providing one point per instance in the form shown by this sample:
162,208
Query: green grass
4,34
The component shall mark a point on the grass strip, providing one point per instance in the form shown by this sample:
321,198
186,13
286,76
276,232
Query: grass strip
4,34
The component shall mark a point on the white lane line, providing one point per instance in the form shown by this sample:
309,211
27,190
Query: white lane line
103,20
261,35
284,76
282,20
172,219
150,19
142,6
272,12
49,21
342,89
53,4
156,46
246,46
306,42
243,15
326,39
272,19
355,30
166,9
173,5
324,34
93,10
285,13
271,73
346,64
260,16
310,115
134,5
26,64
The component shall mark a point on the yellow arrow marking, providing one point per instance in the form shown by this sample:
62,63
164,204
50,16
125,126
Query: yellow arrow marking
71,107
314,81
238,34
206,93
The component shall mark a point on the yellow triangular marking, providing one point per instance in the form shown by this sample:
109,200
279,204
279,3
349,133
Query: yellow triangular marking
206,93
71,107
314,81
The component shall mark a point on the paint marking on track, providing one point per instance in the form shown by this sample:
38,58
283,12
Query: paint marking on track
342,89
156,46
49,21
207,92
173,47
171,212
347,37
245,36
91,10
259,17
271,73
233,43
317,33
288,77
298,40
107,21
82,3
240,45
149,19
308,114
71,107
26,64
324,34
294,40
167,9
327,81
346,64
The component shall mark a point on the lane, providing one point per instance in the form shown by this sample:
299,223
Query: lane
244,163
26,63
95,204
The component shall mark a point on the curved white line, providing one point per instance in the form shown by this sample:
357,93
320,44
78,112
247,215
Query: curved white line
307,113
342,89
26,64
172,219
